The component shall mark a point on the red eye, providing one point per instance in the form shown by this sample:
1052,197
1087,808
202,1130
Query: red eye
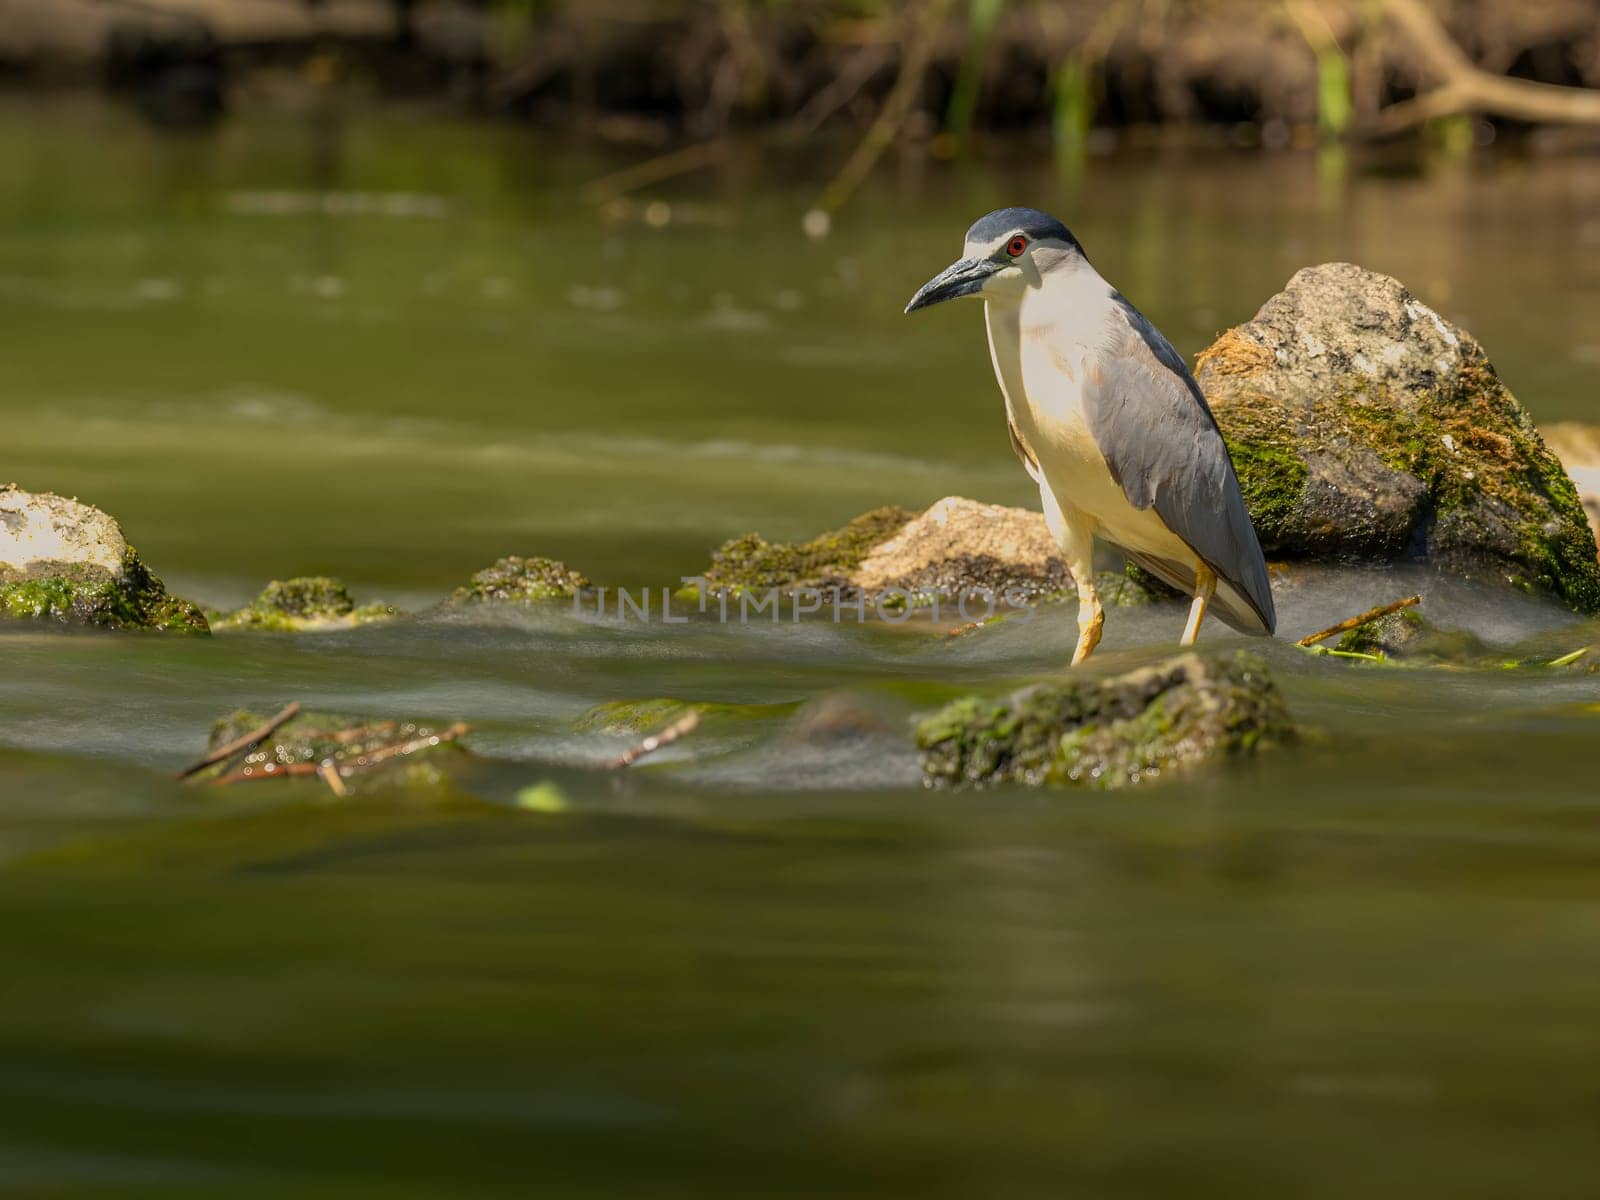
1016,245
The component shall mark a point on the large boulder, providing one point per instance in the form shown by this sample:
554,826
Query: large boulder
1578,448
1150,724
1365,426
66,561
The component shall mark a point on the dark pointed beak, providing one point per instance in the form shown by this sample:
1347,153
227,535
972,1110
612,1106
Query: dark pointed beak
964,278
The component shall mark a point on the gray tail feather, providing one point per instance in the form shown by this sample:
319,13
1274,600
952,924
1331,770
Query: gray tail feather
1231,603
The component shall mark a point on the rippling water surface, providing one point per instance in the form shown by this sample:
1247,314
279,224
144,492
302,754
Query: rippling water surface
765,963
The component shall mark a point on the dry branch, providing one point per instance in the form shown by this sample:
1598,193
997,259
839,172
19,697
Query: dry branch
657,169
271,770
896,108
844,88
364,762
1345,626
1466,88
329,773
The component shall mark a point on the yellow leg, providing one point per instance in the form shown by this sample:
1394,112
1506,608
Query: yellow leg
1074,533
1205,587
1091,618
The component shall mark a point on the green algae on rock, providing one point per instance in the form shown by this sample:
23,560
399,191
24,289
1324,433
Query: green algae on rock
65,561
1150,724
1133,587
750,563
363,753
517,580
304,603
1408,636
955,547
1364,426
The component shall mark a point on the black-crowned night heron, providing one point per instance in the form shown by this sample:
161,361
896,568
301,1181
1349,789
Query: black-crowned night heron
1109,422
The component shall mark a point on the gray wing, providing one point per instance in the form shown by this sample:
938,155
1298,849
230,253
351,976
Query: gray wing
1153,426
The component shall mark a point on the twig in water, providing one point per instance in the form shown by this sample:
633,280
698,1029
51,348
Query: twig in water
333,770
684,724
328,771
972,626
363,762
223,753
1566,660
269,770
1347,625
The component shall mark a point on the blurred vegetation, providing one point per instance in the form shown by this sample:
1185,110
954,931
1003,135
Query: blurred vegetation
651,70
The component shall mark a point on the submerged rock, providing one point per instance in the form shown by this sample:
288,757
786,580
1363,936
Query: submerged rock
629,717
1365,426
301,604
63,560
517,580
1149,724
1407,635
347,753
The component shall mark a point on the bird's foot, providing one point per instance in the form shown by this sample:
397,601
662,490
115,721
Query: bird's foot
1088,637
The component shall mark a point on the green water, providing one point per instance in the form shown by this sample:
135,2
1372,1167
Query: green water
768,964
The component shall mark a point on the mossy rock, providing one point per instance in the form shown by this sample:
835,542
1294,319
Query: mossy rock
366,752
1133,587
1364,426
1147,725
65,561
301,604
960,547
750,563
517,580
991,554
1408,636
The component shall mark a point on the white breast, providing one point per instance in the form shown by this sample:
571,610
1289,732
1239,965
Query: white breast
1044,350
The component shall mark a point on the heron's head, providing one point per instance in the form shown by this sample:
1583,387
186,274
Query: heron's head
1005,252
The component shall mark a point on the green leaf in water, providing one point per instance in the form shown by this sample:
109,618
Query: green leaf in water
544,797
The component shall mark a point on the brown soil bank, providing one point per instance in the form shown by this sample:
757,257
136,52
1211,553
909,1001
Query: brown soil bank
697,66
